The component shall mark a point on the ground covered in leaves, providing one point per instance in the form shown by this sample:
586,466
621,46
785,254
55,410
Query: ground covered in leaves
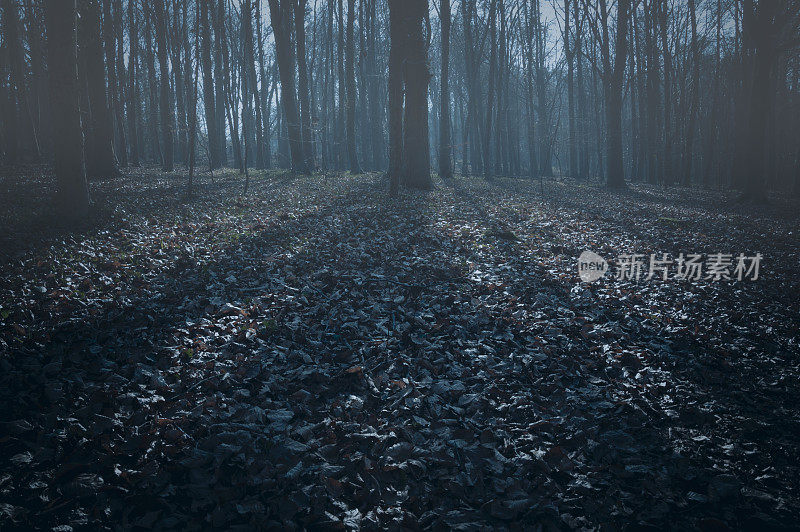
319,355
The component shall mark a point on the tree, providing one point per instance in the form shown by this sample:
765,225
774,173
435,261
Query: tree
114,100
445,149
569,55
220,80
768,26
193,98
209,96
100,158
416,154
133,85
488,166
612,71
62,47
694,102
280,13
350,97
21,133
166,103
397,35
302,82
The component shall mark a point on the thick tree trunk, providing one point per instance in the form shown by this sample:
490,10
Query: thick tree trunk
21,132
416,151
281,18
73,192
760,28
100,160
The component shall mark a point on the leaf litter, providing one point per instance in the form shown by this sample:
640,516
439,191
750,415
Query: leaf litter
320,355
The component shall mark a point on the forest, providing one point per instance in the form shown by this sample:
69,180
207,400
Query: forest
399,264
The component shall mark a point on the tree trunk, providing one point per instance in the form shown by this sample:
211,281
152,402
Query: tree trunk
21,133
193,97
167,116
488,167
350,96
152,89
397,14
340,129
120,146
533,159
445,148
374,86
669,178
133,85
62,45
688,149
759,26
569,54
265,151
614,81
416,151
221,81
281,17
176,38
100,160
209,101
302,82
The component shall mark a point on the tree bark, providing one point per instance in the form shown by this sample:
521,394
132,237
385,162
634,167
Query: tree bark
100,159
167,116
397,15
209,99
350,97
445,148
280,15
134,111
416,156
62,45
302,82
221,81
488,166
569,54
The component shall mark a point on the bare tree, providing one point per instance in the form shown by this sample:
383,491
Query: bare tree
62,46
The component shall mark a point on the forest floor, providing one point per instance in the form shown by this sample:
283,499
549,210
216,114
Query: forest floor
320,355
